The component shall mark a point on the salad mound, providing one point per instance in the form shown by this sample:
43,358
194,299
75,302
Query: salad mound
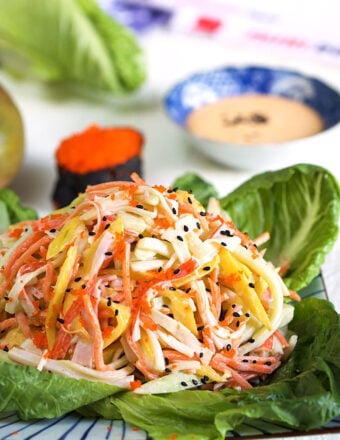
132,284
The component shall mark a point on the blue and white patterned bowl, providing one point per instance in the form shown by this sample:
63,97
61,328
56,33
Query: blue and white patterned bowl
210,86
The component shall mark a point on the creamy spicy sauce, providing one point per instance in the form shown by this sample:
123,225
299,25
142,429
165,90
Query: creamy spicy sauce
252,119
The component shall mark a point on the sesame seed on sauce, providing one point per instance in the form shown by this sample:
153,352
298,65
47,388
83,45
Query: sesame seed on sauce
252,285
186,228
77,279
179,238
109,302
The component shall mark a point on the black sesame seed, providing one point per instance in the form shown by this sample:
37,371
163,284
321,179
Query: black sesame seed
247,315
198,225
160,269
53,230
167,370
6,348
186,228
61,320
206,268
108,253
109,302
77,279
254,361
166,360
223,243
228,347
237,324
245,360
92,233
233,306
184,384
104,218
172,288
179,238
226,232
190,200
140,236
200,327
201,355
268,363
176,271
140,206
207,290
107,226
174,211
83,286
68,290
252,285
188,290
236,315
116,312
251,340
195,382
6,298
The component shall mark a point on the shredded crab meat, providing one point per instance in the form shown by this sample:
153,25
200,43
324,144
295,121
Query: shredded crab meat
133,282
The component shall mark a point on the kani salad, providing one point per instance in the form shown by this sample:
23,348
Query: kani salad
132,283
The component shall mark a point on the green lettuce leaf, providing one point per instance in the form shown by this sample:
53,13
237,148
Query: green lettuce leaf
304,394
12,211
299,206
193,182
88,47
35,394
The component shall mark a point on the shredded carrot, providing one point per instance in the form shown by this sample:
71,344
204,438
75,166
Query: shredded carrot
97,148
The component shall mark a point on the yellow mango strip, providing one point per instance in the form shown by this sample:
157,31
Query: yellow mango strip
66,236
237,276
55,304
121,314
181,309
206,371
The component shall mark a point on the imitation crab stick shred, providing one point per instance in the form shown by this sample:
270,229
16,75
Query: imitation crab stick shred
137,282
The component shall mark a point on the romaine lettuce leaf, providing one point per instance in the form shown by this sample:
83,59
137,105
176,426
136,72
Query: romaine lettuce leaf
12,211
299,206
88,47
35,394
303,394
